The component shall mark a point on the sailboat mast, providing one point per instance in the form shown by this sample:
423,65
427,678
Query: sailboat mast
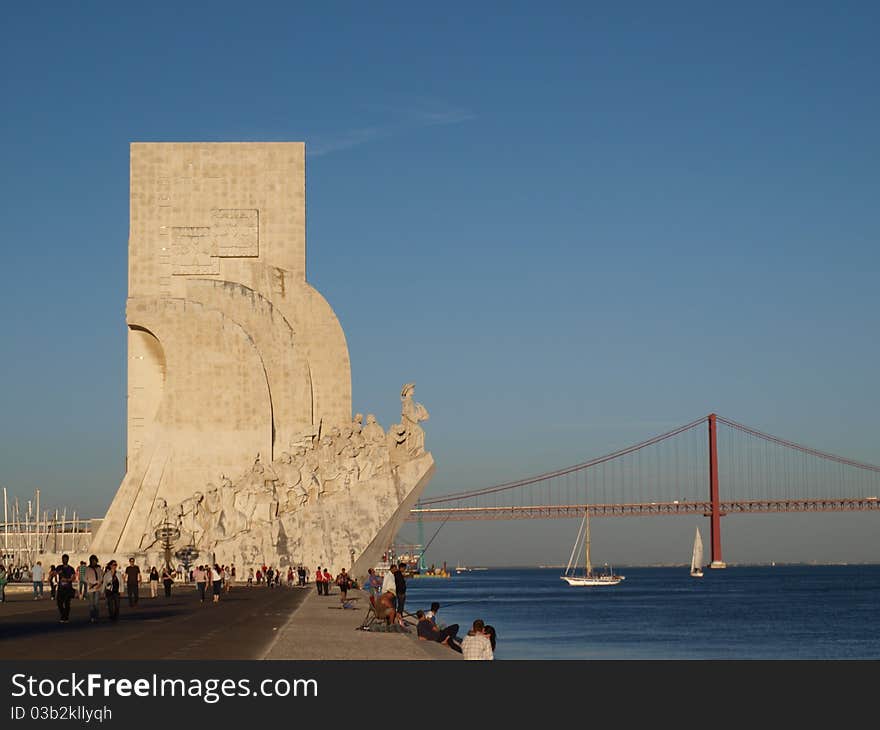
588,565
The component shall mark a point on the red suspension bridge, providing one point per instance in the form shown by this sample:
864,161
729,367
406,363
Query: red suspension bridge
680,472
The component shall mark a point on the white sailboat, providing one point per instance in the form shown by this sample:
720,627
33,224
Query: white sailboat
588,578
697,556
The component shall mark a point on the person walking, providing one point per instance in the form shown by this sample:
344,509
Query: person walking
65,575
217,582
132,582
250,578
154,581
201,577
81,573
111,590
319,581
328,581
37,578
53,582
167,580
94,586
3,580
342,580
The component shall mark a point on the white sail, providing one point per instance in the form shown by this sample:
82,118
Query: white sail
588,578
697,555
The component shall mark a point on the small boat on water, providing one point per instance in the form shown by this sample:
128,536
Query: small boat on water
465,569
697,556
588,578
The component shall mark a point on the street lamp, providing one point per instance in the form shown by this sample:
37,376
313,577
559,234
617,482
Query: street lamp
167,533
187,555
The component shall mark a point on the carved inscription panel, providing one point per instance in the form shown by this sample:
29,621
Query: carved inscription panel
197,250
237,232
193,251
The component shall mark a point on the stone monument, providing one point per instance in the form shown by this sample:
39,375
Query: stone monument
240,432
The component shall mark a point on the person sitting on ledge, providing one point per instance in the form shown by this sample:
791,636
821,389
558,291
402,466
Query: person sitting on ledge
385,608
476,645
428,631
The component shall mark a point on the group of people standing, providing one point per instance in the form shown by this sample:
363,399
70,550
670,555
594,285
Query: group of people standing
272,577
388,594
343,581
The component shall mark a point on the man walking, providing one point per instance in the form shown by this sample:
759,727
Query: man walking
132,582
37,577
81,572
66,576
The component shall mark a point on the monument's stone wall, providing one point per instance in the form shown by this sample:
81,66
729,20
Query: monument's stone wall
240,432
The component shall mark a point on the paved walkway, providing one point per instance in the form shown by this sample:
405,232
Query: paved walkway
319,629
247,623
240,626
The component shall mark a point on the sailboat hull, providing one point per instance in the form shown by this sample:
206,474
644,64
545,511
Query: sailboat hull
599,580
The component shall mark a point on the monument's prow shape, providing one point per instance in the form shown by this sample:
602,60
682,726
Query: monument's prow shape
241,442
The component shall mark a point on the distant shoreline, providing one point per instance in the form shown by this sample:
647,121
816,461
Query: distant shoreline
623,566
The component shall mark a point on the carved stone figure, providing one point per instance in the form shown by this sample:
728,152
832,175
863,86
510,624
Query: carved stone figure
376,455
407,437
328,463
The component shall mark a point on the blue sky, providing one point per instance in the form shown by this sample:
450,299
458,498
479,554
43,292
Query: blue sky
572,226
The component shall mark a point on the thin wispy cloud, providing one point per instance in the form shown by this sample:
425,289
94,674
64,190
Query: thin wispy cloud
425,114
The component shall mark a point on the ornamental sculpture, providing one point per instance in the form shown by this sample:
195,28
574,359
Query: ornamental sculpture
240,430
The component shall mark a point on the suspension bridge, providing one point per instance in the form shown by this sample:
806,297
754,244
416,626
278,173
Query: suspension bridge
684,471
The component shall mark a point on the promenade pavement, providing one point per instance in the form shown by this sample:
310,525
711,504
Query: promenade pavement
319,629
247,623
241,625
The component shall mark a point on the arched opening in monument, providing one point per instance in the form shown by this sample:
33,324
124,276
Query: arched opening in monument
146,385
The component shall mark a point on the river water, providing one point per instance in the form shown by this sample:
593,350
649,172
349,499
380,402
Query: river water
781,612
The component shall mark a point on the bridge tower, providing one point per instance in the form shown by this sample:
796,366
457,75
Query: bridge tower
715,515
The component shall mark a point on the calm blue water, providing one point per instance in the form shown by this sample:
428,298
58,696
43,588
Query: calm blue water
783,612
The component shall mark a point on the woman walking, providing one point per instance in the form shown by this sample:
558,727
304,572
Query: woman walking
167,580
111,590
201,577
94,586
218,582
154,581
